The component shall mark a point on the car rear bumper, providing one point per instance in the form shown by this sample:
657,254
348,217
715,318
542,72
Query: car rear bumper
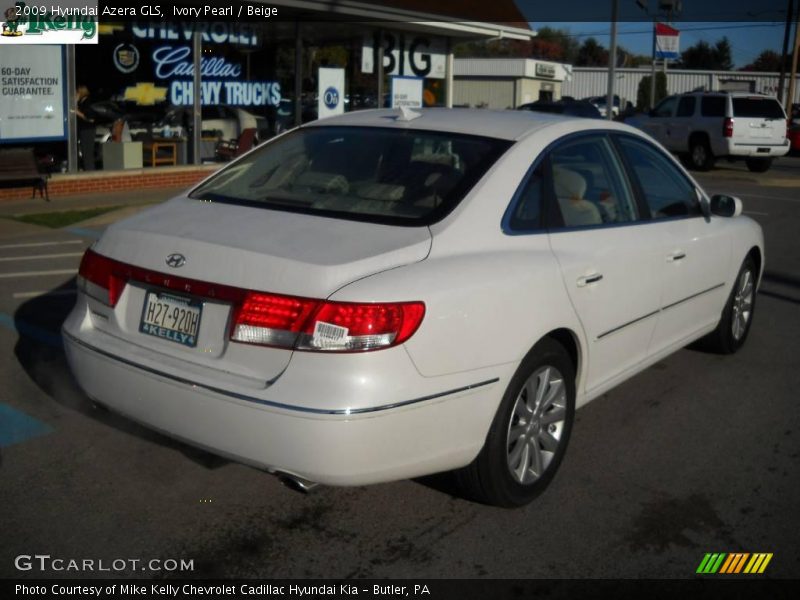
267,428
755,149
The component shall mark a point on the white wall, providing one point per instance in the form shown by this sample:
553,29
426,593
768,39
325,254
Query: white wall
594,82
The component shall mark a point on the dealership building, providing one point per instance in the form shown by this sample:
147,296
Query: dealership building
166,94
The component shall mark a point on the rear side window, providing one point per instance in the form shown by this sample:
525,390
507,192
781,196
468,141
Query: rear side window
758,108
713,106
384,175
666,191
589,183
526,213
686,106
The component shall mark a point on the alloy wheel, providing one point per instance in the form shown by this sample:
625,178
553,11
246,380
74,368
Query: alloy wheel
536,428
742,304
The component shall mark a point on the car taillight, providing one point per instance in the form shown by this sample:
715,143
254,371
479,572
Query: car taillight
101,271
319,325
352,326
271,319
727,127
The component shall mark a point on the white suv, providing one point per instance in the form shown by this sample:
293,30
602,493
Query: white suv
704,126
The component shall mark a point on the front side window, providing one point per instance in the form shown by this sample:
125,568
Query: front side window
666,191
666,107
385,175
589,183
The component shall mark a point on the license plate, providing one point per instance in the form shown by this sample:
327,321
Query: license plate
173,318
762,150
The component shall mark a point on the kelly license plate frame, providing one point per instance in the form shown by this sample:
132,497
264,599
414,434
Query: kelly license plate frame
171,317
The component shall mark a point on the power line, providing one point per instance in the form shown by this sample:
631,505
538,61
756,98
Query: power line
650,29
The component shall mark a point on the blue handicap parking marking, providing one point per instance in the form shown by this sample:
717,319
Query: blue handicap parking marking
43,336
16,426
93,234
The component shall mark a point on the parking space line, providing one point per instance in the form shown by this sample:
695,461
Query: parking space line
40,256
38,273
44,293
39,244
16,426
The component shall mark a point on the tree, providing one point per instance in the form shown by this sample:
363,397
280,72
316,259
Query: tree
703,56
768,61
549,44
627,59
643,92
591,54
554,44
493,49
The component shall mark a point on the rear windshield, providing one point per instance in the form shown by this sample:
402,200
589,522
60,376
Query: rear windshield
392,176
760,108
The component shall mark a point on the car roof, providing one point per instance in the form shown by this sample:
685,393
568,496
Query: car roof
726,93
501,124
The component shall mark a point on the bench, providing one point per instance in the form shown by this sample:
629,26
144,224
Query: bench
18,168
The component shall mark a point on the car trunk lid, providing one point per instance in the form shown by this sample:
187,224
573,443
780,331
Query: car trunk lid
236,248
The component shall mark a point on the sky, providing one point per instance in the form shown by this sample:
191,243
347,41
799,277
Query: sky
750,25
747,39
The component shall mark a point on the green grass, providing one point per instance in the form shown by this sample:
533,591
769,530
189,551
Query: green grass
62,218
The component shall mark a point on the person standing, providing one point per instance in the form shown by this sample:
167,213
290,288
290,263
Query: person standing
86,127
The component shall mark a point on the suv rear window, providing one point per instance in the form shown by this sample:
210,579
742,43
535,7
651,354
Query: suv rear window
763,108
713,106
384,175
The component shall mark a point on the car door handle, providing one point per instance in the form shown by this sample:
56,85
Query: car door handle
587,279
678,255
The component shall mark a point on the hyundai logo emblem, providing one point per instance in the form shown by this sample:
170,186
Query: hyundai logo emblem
176,260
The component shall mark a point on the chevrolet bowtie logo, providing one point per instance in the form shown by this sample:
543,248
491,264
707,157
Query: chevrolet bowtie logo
176,260
146,93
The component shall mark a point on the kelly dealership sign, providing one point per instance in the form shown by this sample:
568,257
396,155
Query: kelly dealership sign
58,22
31,94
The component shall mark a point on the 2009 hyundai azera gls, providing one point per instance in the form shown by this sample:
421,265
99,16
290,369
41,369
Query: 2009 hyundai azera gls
388,294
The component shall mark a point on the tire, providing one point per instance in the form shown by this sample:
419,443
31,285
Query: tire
700,157
758,165
521,456
737,316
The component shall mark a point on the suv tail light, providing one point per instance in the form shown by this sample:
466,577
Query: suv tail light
727,127
270,319
320,325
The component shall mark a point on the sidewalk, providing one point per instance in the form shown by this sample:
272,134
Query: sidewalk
133,198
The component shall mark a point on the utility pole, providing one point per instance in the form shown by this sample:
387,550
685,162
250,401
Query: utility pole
612,60
793,74
653,70
786,31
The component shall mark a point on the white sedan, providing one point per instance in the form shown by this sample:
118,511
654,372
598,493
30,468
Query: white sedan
388,294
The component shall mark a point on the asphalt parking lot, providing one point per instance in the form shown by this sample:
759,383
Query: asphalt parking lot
697,454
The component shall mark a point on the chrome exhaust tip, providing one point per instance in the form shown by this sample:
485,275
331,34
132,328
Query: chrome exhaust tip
298,484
